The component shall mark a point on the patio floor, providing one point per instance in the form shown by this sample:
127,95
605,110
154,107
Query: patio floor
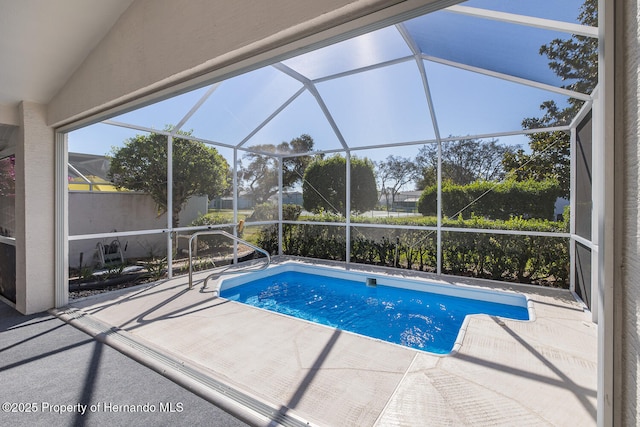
541,372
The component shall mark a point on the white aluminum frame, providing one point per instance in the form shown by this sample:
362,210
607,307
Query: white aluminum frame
529,21
310,86
61,226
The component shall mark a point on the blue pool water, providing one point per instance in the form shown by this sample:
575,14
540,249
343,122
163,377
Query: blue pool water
419,320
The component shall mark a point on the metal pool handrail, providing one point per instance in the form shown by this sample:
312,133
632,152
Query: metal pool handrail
230,236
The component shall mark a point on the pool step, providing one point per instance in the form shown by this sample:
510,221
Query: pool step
236,402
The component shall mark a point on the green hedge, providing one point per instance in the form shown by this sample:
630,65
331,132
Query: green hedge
212,242
314,241
269,212
523,259
513,223
531,199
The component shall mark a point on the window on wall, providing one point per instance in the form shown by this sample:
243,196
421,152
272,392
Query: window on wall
7,228
8,196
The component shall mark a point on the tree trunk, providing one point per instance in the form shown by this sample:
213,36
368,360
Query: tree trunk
175,218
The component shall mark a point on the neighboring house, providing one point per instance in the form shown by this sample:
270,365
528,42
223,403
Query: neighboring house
292,198
405,201
96,206
558,209
244,202
88,172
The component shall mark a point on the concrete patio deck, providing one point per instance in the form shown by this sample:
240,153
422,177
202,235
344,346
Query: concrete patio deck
52,374
541,372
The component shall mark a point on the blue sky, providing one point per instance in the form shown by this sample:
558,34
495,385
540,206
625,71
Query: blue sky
379,106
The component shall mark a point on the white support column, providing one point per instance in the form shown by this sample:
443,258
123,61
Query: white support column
280,205
347,209
170,206
572,210
61,221
607,139
235,200
439,211
598,200
35,212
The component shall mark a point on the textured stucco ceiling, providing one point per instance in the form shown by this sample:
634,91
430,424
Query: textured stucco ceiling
42,42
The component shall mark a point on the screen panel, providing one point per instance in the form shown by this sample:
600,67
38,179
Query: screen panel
584,183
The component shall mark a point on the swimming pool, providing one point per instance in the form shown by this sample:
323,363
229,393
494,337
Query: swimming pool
420,315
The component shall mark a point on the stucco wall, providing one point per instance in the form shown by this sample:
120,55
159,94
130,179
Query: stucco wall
626,405
35,257
96,212
140,57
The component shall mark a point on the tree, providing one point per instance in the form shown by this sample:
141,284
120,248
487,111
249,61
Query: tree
324,185
141,165
260,177
463,162
394,173
261,174
574,60
549,159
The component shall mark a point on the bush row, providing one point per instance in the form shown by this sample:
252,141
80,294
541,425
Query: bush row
531,199
212,242
475,221
523,259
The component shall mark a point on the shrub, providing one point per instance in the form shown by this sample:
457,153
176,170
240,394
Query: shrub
211,219
530,198
264,212
291,212
269,212
324,185
212,242
517,258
